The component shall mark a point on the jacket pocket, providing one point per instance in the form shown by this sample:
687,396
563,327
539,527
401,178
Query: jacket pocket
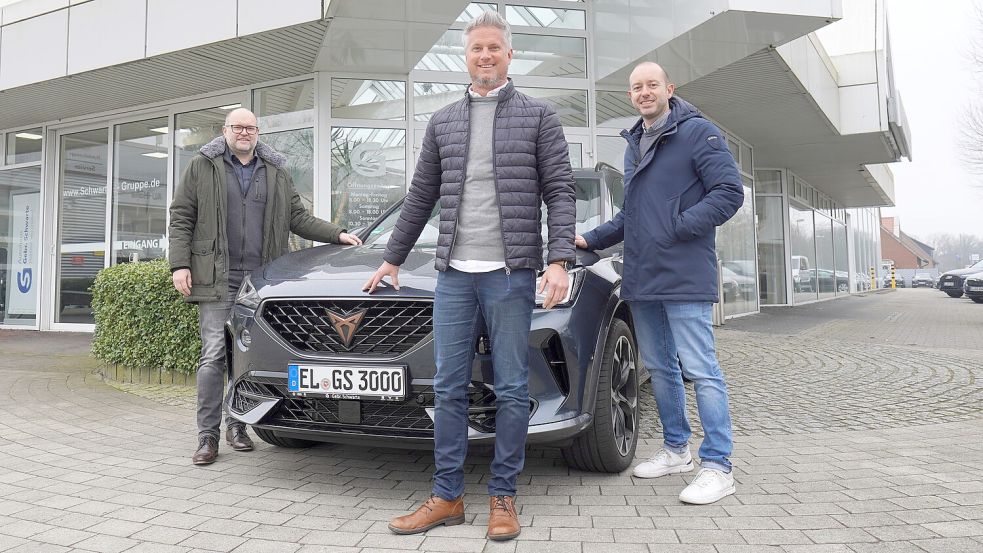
203,262
666,223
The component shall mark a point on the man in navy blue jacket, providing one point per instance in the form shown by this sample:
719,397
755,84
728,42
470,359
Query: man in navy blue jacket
681,182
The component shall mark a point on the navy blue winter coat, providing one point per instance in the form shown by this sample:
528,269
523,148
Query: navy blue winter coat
532,167
676,195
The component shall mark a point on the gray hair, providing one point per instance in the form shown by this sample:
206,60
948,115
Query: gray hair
489,19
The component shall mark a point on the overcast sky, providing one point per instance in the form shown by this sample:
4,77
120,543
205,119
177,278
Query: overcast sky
935,193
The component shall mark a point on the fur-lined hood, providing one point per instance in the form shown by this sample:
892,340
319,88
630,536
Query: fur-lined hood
217,147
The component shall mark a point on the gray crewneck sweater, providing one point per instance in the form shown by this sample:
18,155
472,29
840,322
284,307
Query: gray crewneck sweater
479,225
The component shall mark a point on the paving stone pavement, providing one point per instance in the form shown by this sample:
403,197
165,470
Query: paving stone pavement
858,422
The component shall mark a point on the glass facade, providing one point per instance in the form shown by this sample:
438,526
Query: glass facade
140,190
351,140
82,220
20,245
286,121
24,146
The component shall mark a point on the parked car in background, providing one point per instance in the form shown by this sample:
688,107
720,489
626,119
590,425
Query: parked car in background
861,282
314,358
898,281
802,278
973,287
736,286
926,280
951,282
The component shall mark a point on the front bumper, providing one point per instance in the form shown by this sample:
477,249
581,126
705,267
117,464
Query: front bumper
559,363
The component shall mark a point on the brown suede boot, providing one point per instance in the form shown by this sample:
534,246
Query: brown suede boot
434,512
503,522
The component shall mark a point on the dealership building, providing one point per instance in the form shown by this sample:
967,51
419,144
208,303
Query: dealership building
104,102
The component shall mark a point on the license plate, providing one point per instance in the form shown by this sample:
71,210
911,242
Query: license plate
976,288
948,284
383,383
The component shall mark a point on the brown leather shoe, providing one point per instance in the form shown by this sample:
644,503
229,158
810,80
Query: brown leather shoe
434,512
207,450
238,439
503,522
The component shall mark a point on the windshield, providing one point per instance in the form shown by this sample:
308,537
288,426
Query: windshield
589,216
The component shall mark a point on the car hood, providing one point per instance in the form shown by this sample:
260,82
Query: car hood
347,268
963,272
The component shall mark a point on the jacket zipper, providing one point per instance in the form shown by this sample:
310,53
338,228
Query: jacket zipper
498,195
464,176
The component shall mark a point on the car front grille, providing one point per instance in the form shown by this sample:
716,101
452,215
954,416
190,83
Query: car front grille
406,418
387,329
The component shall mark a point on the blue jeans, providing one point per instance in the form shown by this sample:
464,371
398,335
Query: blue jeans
506,303
670,332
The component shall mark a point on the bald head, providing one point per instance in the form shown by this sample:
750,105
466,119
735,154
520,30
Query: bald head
238,115
647,66
241,133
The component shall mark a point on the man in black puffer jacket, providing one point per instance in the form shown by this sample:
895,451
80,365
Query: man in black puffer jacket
490,159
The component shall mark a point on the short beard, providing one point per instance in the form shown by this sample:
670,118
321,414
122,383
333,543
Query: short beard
232,147
490,84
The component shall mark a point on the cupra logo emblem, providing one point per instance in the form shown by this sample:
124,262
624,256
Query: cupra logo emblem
346,325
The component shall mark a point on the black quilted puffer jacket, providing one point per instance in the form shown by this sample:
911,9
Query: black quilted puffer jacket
531,166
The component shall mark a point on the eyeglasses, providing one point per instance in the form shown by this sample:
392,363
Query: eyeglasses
239,129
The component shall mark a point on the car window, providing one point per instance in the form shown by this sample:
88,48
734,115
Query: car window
379,236
588,193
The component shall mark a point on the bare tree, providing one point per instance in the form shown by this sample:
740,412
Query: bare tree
971,139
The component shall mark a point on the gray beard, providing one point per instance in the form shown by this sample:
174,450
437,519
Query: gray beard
490,84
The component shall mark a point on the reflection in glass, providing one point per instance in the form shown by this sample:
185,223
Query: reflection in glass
475,9
367,99
540,55
570,105
549,56
140,190
735,249
803,238
20,245
841,263
614,110
81,222
24,146
611,150
368,173
298,146
555,18
194,130
429,97
824,270
768,182
771,249
286,121
285,106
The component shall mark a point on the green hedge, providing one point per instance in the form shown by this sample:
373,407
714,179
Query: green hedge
141,320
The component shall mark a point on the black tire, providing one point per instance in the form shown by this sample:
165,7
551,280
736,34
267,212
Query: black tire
977,299
955,294
273,438
609,444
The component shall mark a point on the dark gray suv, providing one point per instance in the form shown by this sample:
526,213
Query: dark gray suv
314,358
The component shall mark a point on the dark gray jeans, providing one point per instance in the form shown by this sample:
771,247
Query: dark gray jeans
212,368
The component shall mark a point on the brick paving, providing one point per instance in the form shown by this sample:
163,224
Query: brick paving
858,429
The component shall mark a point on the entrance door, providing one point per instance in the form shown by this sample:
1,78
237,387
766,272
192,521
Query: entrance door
81,247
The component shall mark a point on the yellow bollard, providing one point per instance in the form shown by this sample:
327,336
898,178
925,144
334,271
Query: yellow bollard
873,279
893,282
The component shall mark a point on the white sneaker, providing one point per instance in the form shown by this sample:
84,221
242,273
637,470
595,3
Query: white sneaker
710,485
664,462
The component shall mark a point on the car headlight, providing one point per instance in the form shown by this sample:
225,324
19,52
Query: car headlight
576,281
248,296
